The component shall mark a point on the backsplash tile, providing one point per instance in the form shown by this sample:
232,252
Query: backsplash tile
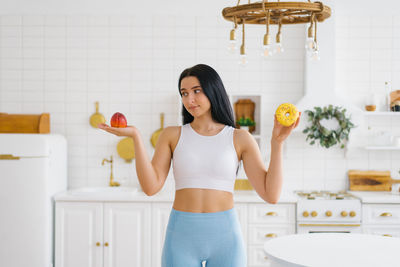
64,64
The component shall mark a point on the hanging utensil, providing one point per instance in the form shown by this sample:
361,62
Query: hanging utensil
126,149
156,134
97,117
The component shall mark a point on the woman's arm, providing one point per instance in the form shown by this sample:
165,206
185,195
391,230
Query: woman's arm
274,176
268,184
151,174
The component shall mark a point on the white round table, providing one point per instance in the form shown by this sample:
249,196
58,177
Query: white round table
333,249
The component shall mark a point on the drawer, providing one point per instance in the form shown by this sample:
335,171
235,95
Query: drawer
384,230
266,213
381,214
259,234
257,257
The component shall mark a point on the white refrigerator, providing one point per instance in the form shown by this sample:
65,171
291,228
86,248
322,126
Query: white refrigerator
33,168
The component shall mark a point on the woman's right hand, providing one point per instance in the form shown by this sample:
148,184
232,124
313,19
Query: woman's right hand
128,131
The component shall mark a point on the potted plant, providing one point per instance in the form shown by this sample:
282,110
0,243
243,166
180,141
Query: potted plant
245,123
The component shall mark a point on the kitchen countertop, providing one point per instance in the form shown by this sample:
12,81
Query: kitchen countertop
377,197
80,194
123,194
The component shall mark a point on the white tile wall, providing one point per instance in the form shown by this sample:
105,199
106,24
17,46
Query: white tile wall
367,57
63,64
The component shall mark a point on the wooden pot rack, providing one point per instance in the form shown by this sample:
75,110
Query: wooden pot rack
287,12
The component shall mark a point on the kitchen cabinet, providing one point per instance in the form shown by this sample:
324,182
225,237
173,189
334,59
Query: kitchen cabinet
265,222
381,219
134,228
387,147
79,235
101,234
127,232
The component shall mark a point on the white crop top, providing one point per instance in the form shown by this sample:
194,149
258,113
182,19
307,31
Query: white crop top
208,162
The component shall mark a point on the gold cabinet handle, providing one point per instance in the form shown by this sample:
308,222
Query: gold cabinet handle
106,244
271,213
387,235
8,157
271,235
343,213
331,224
386,214
98,244
306,214
352,213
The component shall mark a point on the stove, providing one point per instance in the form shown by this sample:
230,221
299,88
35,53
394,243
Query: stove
325,195
325,211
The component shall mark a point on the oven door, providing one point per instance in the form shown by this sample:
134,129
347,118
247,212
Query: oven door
311,228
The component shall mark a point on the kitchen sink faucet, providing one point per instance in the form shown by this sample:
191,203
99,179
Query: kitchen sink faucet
112,182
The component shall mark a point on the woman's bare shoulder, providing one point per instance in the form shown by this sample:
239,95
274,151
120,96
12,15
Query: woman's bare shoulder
172,132
172,129
242,135
241,140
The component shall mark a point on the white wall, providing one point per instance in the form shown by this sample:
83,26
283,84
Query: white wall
357,8
61,57
114,7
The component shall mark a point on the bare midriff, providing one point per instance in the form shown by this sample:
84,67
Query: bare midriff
202,200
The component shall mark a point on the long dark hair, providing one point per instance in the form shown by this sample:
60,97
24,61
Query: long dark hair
211,83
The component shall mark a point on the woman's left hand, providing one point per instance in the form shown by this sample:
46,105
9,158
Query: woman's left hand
280,132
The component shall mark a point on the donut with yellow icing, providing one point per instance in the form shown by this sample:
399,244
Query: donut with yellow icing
287,114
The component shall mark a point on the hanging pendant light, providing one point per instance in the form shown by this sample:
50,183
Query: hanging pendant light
278,13
243,57
267,48
315,52
310,36
232,47
278,46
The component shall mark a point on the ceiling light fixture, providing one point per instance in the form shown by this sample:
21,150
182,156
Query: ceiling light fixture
277,13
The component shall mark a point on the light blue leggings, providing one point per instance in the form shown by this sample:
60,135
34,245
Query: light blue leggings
192,238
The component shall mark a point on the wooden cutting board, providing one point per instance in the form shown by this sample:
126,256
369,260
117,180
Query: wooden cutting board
370,180
394,96
24,123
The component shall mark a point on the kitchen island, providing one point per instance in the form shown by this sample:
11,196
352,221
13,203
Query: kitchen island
332,250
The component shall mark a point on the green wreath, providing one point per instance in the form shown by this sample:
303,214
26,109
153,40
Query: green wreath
328,138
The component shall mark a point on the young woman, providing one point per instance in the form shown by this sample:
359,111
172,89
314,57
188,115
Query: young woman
206,151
